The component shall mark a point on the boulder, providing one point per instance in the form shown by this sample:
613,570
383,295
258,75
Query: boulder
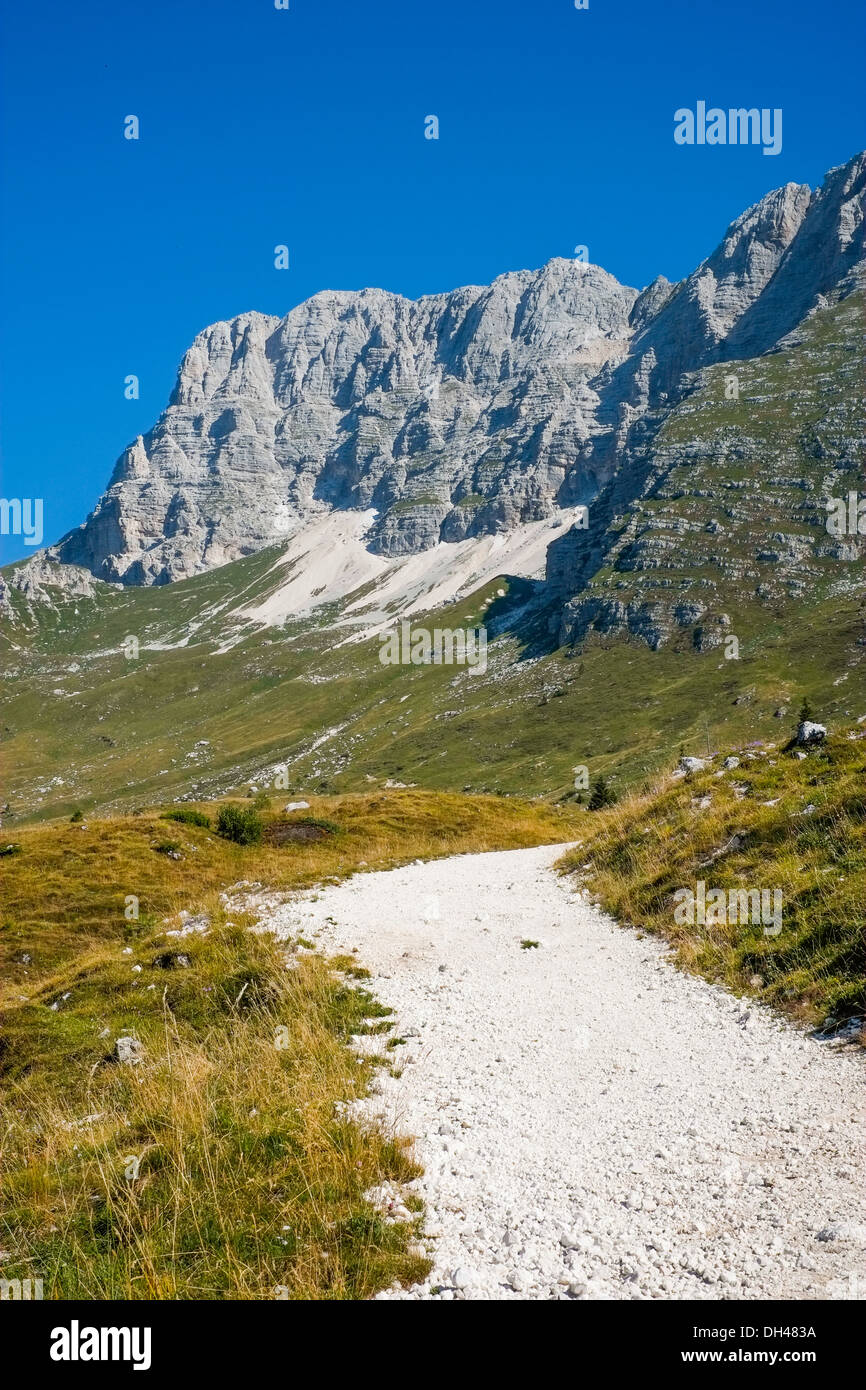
809,734
690,765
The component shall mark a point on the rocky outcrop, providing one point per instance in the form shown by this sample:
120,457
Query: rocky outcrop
680,328
453,415
459,414
820,262
810,734
43,580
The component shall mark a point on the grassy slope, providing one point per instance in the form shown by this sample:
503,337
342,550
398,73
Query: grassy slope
218,1167
634,856
125,733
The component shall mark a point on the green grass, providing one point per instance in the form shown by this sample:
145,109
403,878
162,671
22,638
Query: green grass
216,1168
621,709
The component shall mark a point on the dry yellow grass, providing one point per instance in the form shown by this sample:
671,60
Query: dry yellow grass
221,1165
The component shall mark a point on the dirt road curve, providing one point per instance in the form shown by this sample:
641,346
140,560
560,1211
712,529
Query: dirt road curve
593,1123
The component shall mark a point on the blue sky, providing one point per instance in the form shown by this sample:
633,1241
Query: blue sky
306,127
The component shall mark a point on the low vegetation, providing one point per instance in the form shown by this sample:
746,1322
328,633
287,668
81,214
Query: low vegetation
775,821
242,824
186,816
601,794
217,1161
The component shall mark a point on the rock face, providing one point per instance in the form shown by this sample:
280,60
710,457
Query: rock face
457,414
453,415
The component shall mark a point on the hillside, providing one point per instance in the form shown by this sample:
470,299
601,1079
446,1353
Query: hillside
723,529
761,818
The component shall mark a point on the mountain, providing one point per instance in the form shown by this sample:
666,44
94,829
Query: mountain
452,415
455,415
612,657
706,490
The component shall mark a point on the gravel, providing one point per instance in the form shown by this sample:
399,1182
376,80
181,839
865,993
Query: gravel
592,1122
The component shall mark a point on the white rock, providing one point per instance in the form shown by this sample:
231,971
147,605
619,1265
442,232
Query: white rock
809,733
129,1051
689,765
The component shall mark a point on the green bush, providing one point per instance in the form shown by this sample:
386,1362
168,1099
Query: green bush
601,794
239,823
77,815
187,817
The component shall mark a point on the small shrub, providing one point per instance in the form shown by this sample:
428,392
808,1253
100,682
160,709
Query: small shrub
528,945
9,849
806,711
262,801
242,824
167,847
187,817
77,815
601,794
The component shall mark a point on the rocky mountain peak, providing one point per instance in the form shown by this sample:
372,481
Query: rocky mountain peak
456,414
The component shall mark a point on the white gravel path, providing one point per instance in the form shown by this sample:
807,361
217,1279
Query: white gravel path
594,1123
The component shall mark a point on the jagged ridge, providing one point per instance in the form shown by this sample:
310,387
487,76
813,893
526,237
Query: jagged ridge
457,414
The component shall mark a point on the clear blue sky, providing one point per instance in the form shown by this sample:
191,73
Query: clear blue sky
305,127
